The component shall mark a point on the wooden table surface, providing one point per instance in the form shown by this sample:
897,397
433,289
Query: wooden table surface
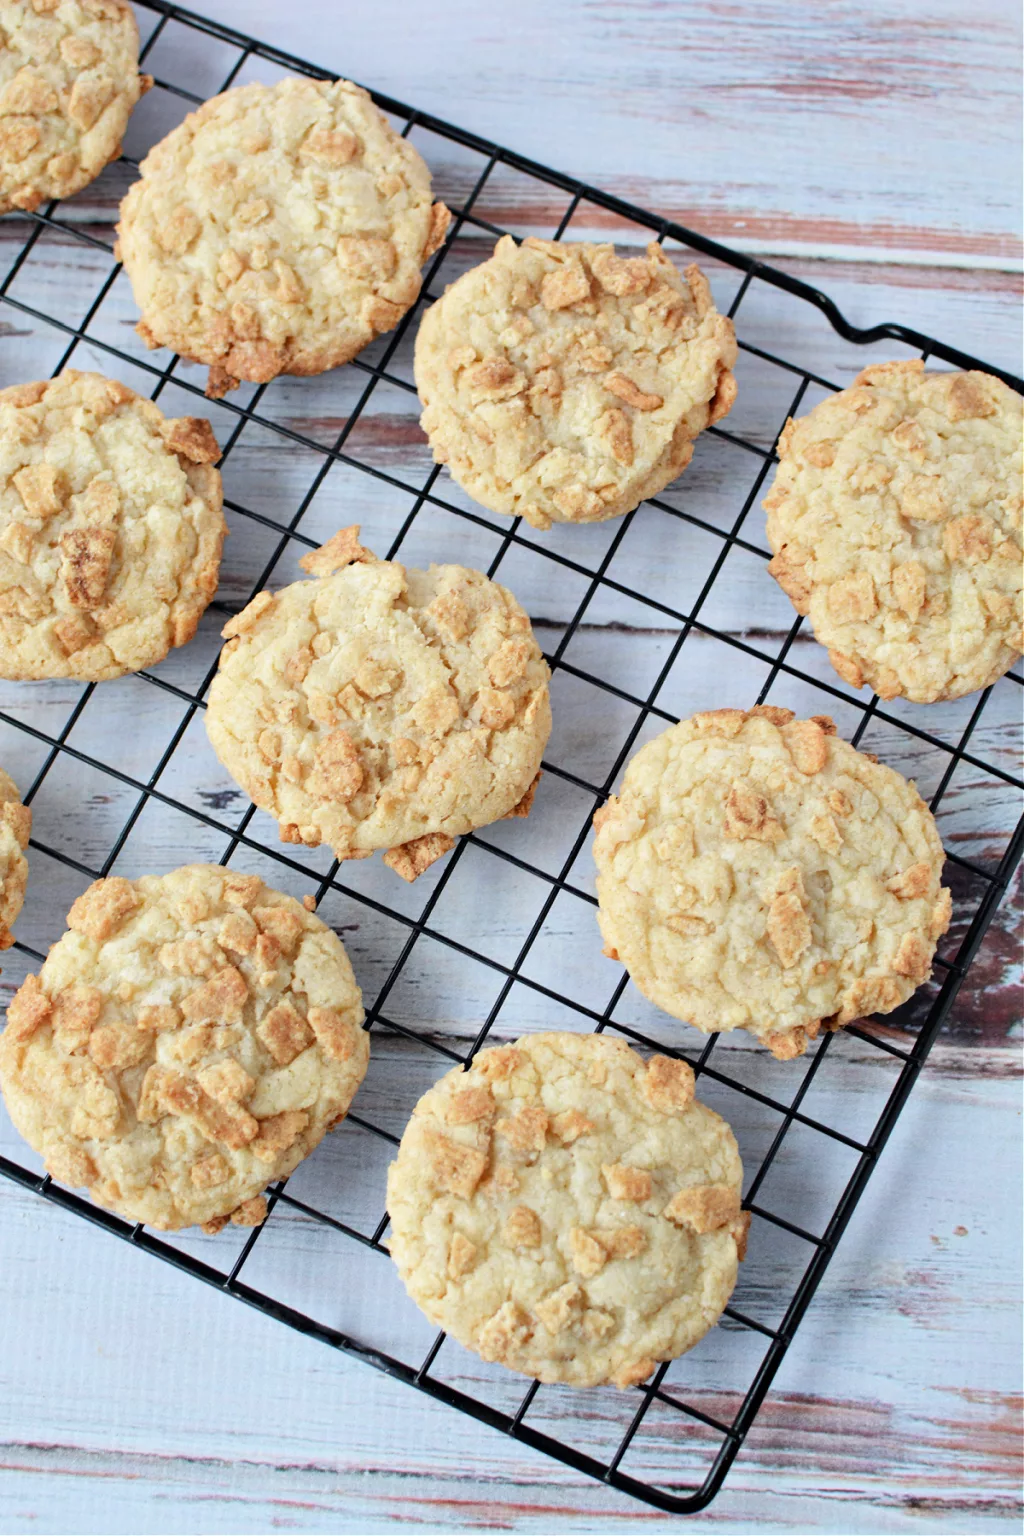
872,149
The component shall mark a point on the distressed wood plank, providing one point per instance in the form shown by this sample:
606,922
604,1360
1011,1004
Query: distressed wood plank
269,475
80,809
135,1399
131,1429
868,127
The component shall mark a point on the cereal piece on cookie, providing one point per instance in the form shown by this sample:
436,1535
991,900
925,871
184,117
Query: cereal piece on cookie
568,1210
69,78
896,525
756,872
376,707
278,230
564,383
111,528
15,826
158,1060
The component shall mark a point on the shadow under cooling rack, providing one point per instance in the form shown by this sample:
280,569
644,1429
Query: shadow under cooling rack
671,1441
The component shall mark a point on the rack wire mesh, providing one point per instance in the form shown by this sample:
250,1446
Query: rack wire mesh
702,1424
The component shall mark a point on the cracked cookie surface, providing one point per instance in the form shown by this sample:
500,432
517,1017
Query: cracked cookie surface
896,525
757,872
278,230
564,383
15,826
69,78
188,1041
110,528
568,1210
381,707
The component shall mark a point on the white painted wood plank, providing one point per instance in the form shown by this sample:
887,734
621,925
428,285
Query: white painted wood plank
81,810
779,127
269,475
135,1399
168,1408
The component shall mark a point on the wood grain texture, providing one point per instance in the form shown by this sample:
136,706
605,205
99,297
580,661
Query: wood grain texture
195,1414
848,140
884,128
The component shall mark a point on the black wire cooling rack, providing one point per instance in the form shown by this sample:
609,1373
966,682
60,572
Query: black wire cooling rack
704,1430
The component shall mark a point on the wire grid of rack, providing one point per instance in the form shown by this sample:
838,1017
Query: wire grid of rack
722,1437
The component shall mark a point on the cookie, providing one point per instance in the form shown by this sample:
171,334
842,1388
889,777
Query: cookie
188,1041
563,383
896,525
69,78
568,1210
278,230
15,826
380,707
756,872
110,528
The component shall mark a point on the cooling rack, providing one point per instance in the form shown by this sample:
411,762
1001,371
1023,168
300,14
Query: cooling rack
698,1411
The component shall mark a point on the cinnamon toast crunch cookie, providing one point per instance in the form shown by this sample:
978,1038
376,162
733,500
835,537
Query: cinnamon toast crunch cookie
15,826
897,528
111,528
278,229
69,78
188,1041
379,707
568,1210
564,383
757,872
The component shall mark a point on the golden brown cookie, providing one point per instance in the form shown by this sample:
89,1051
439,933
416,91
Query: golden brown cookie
563,383
69,78
897,528
15,826
110,528
568,1210
187,1042
756,872
382,707
278,230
